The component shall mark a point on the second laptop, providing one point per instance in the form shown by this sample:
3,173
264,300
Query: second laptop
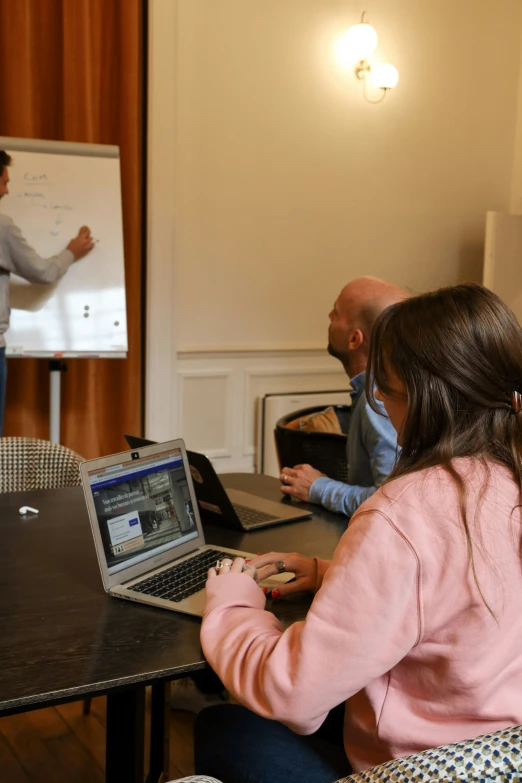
229,507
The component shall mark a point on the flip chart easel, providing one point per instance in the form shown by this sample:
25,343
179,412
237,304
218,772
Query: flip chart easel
56,187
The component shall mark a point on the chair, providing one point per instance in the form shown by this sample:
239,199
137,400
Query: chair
325,451
496,756
490,757
29,463
196,779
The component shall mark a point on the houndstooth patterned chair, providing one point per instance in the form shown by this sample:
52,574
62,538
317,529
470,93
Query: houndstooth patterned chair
30,463
196,779
492,757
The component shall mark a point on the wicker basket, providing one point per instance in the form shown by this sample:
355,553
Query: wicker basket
325,451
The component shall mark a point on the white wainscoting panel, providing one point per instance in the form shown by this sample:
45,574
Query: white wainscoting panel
205,404
217,394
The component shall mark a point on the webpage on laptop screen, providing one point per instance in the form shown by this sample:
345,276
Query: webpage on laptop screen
143,508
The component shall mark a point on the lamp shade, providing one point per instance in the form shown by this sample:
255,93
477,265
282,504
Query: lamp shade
385,76
359,42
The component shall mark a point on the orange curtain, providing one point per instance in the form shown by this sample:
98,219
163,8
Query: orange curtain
73,70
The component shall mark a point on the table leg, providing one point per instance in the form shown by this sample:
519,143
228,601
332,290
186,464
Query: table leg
124,756
159,732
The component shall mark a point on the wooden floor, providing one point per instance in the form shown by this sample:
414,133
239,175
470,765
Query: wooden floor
61,745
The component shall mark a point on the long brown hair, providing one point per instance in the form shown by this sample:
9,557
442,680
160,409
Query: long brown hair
458,352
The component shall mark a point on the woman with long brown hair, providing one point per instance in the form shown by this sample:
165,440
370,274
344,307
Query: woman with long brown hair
416,624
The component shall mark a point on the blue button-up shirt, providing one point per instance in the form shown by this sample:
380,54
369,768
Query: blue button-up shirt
371,452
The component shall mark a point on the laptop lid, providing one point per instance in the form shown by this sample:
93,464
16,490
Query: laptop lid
135,442
142,510
209,491
212,497
216,504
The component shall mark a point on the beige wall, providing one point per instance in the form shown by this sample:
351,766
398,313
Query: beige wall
287,183
516,183
272,182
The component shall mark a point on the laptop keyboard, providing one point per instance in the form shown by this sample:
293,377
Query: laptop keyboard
251,516
181,580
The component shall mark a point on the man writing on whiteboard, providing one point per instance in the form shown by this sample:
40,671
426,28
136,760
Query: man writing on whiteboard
17,256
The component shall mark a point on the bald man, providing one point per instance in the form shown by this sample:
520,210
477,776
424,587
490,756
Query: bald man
372,441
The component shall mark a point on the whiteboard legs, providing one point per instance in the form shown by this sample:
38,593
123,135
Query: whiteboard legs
56,368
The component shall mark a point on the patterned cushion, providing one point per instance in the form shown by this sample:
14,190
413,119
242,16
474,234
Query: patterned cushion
196,779
491,757
29,463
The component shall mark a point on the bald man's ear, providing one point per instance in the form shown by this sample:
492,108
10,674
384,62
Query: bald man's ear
356,340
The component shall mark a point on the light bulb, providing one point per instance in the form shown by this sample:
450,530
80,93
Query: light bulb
385,76
359,42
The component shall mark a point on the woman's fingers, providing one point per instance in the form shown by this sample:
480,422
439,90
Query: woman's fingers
265,572
227,566
287,589
271,563
270,558
222,567
261,568
237,565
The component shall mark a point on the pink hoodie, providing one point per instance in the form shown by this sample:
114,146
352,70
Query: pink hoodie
398,629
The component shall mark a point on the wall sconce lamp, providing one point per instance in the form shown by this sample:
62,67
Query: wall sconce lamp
359,43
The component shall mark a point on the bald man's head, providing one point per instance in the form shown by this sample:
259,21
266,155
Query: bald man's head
355,311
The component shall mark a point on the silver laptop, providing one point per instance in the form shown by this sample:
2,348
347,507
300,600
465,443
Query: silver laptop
230,507
147,530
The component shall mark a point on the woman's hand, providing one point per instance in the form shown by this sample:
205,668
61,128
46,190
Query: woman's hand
228,566
265,566
304,568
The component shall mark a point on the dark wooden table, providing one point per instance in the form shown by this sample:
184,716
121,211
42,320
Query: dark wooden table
64,639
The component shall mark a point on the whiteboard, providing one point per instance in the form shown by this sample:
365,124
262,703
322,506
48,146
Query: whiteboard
503,259
54,189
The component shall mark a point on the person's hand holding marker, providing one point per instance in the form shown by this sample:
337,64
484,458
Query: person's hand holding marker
82,244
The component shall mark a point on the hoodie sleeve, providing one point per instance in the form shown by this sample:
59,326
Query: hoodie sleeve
363,620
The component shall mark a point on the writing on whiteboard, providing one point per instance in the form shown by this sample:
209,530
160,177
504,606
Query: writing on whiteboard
28,177
51,196
39,199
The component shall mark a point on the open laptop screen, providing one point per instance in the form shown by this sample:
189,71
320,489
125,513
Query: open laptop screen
143,508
